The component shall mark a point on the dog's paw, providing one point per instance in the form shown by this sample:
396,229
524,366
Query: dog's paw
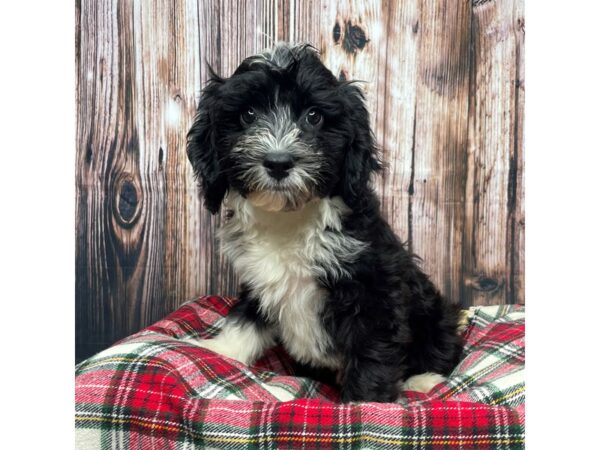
424,382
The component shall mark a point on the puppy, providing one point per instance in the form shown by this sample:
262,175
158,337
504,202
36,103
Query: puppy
289,151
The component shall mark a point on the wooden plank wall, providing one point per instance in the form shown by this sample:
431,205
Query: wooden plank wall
444,82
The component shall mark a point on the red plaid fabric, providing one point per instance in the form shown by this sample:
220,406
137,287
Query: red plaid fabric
154,390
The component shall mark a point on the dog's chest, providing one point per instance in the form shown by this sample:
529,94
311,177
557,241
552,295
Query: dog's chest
281,263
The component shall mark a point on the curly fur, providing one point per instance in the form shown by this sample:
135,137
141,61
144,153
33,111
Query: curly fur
321,270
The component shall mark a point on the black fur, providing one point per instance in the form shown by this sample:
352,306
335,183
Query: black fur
203,147
386,319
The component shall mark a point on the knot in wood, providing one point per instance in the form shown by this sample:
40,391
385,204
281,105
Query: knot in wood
355,38
127,202
486,284
337,32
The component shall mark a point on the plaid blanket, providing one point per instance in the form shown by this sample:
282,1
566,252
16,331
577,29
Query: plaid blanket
153,390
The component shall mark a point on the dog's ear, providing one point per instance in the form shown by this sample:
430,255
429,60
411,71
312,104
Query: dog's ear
361,159
202,147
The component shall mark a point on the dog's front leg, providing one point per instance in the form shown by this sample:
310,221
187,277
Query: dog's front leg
371,340
244,335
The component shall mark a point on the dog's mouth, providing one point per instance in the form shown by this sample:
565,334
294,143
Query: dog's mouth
279,199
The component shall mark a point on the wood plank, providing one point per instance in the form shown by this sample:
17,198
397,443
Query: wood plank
436,215
119,210
493,262
283,17
167,69
516,243
399,116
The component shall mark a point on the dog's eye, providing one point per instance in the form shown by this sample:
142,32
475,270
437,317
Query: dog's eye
248,116
314,118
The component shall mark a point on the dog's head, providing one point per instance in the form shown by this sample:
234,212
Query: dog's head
282,130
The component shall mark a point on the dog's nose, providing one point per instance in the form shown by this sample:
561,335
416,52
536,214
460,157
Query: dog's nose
278,164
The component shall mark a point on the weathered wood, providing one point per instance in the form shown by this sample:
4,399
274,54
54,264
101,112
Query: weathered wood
444,84
305,22
144,242
102,178
493,232
437,188
399,90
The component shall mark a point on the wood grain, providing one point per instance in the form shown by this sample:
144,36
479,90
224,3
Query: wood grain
493,233
445,87
437,189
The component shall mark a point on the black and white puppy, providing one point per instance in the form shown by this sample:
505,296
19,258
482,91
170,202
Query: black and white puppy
289,150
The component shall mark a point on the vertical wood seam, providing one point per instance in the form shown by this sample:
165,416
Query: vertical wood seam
467,246
513,180
411,188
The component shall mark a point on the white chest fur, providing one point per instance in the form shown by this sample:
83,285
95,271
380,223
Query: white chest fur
280,255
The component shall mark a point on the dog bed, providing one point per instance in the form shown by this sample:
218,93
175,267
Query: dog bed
154,390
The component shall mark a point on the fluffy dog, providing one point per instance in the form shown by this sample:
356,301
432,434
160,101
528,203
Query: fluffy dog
289,151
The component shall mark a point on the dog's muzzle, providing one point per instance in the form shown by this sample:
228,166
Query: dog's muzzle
278,164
